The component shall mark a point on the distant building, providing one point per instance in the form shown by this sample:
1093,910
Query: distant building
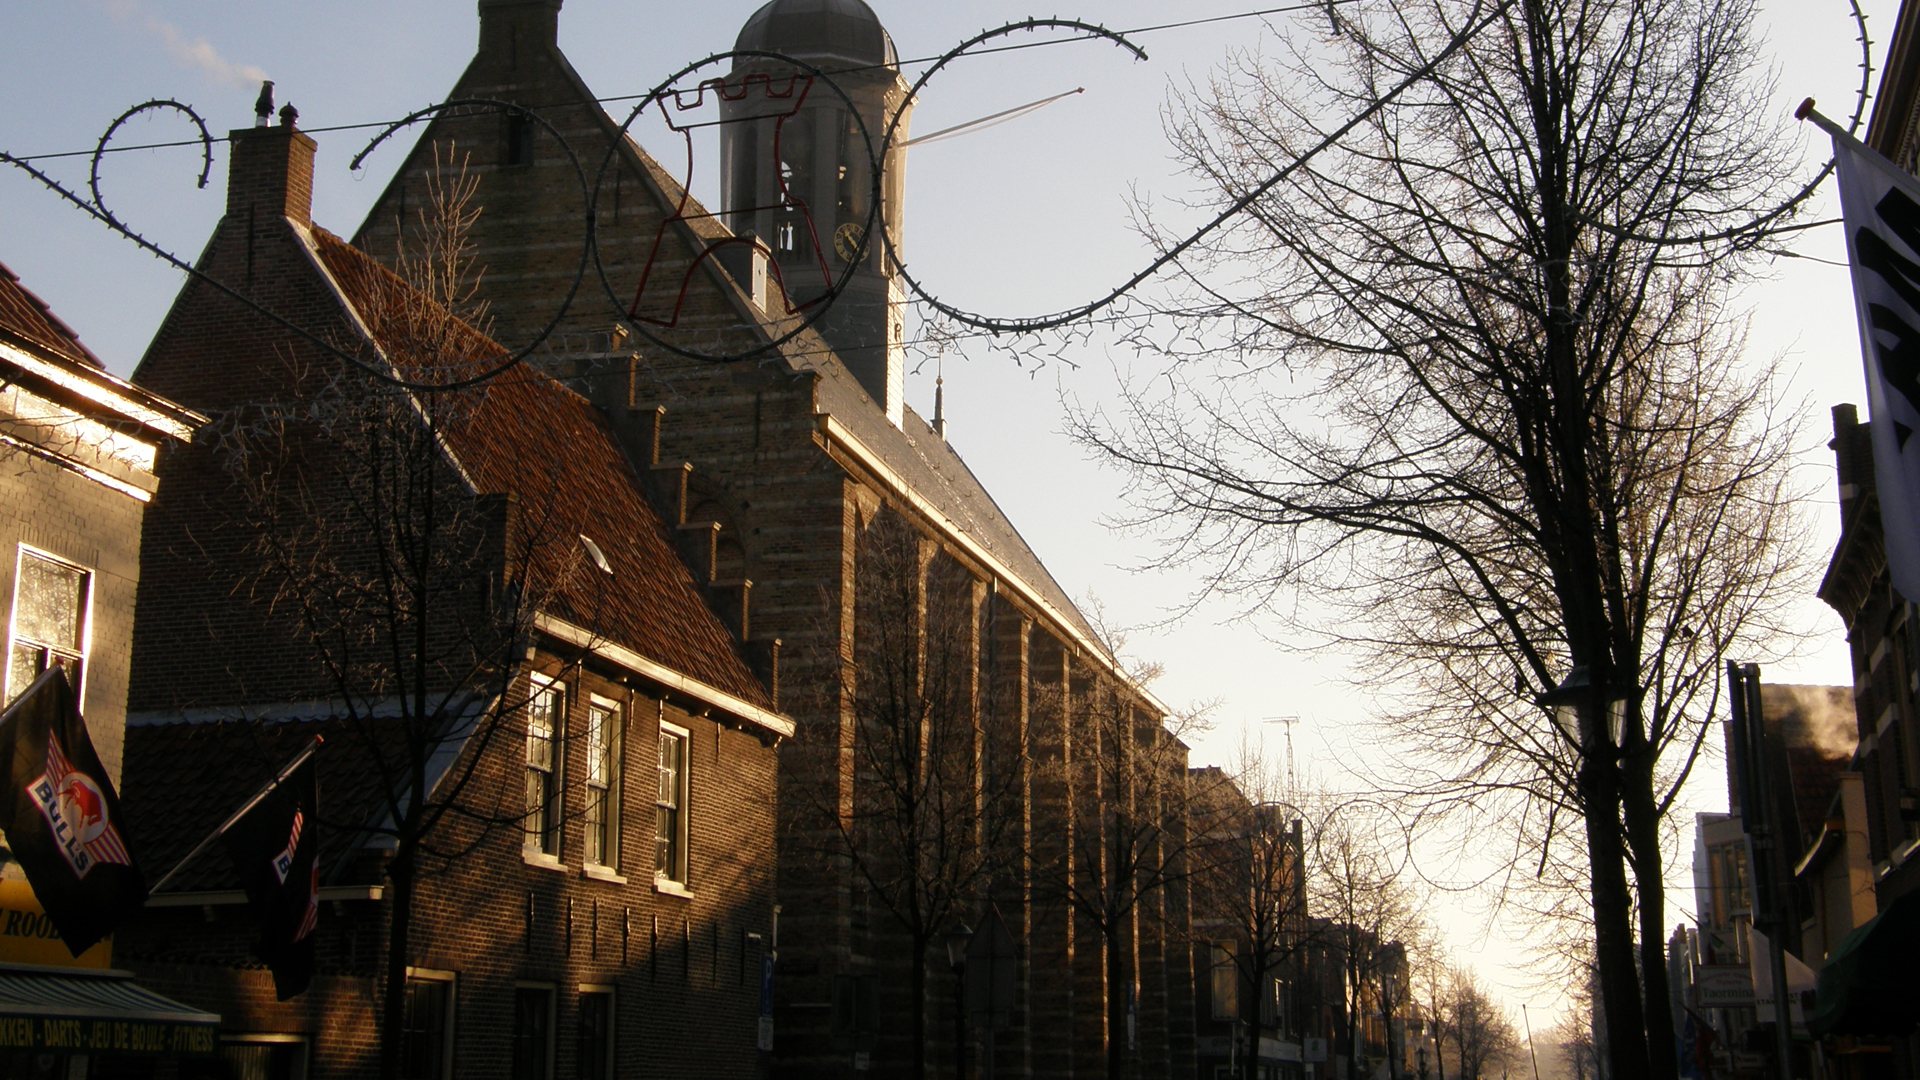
78,455
605,889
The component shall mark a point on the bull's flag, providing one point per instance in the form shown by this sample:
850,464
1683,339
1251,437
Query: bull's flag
276,848
62,817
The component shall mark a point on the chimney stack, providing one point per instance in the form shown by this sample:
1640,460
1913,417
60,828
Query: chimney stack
510,28
270,169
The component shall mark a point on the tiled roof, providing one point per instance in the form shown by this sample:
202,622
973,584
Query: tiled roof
182,780
533,437
27,317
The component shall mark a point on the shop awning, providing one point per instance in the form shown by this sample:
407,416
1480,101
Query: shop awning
98,1014
1867,985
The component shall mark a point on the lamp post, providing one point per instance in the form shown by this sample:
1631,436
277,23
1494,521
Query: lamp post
956,940
1592,717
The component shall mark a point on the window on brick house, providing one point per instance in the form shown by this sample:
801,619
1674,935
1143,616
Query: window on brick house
532,1032
670,806
594,1055
1224,982
546,722
427,1029
604,767
49,623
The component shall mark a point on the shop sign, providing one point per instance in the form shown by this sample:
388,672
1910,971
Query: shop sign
133,1038
1723,986
27,936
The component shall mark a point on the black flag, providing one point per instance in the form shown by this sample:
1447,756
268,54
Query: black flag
276,847
62,817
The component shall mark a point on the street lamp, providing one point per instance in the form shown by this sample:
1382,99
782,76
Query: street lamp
956,940
1579,691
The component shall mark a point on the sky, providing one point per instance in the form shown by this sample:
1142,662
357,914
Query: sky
1023,218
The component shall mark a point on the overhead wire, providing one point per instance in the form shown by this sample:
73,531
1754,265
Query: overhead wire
1316,5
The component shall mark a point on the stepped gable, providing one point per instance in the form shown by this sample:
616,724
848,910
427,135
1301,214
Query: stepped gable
533,436
928,463
27,317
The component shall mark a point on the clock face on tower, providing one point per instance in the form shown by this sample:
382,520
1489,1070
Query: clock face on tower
846,240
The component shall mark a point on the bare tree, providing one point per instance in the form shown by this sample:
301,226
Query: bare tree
935,803
414,591
1250,880
1472,384
1484,1037
1366,915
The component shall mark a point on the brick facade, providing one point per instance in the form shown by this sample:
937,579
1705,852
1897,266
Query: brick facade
226,688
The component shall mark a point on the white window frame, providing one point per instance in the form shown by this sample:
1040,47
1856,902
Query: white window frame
21,554
610,788
543,845
448,1040
553,1008
676,875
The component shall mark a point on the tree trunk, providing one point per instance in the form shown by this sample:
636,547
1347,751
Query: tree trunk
393,1011
1119,981
1612,920
919,999
1643,837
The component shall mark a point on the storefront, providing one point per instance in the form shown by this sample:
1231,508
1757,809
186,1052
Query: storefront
76,1018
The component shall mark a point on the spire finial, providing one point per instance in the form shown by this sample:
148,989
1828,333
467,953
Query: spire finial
939,400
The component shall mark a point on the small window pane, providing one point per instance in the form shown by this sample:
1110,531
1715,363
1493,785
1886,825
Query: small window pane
546,713
24,666
48,603
670,797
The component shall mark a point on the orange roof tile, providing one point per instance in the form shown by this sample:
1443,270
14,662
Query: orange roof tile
27,317
533,437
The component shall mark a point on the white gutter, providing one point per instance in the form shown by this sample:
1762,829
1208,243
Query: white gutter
665,676
836,433
104,479
228,897
118,394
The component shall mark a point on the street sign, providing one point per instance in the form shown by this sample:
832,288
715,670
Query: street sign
992,973
1723,986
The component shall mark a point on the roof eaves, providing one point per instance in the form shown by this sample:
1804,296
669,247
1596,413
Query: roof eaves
739,708
838,435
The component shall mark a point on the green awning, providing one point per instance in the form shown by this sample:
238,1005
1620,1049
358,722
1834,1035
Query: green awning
95,1014
1867,986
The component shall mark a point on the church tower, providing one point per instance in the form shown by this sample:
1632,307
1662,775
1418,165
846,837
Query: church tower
797,173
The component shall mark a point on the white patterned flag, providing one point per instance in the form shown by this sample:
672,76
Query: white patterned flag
1881,205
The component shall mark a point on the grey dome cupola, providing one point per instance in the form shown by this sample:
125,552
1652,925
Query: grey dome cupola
819,29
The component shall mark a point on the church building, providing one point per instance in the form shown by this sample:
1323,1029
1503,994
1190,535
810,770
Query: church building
750,360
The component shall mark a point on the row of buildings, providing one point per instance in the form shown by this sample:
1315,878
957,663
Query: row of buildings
614,650
1839,771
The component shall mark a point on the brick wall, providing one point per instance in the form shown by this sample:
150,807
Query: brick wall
685,971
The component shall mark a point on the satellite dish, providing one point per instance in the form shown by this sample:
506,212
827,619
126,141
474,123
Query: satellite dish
599,557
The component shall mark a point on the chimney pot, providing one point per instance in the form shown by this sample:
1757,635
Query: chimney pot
288,114
263,105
